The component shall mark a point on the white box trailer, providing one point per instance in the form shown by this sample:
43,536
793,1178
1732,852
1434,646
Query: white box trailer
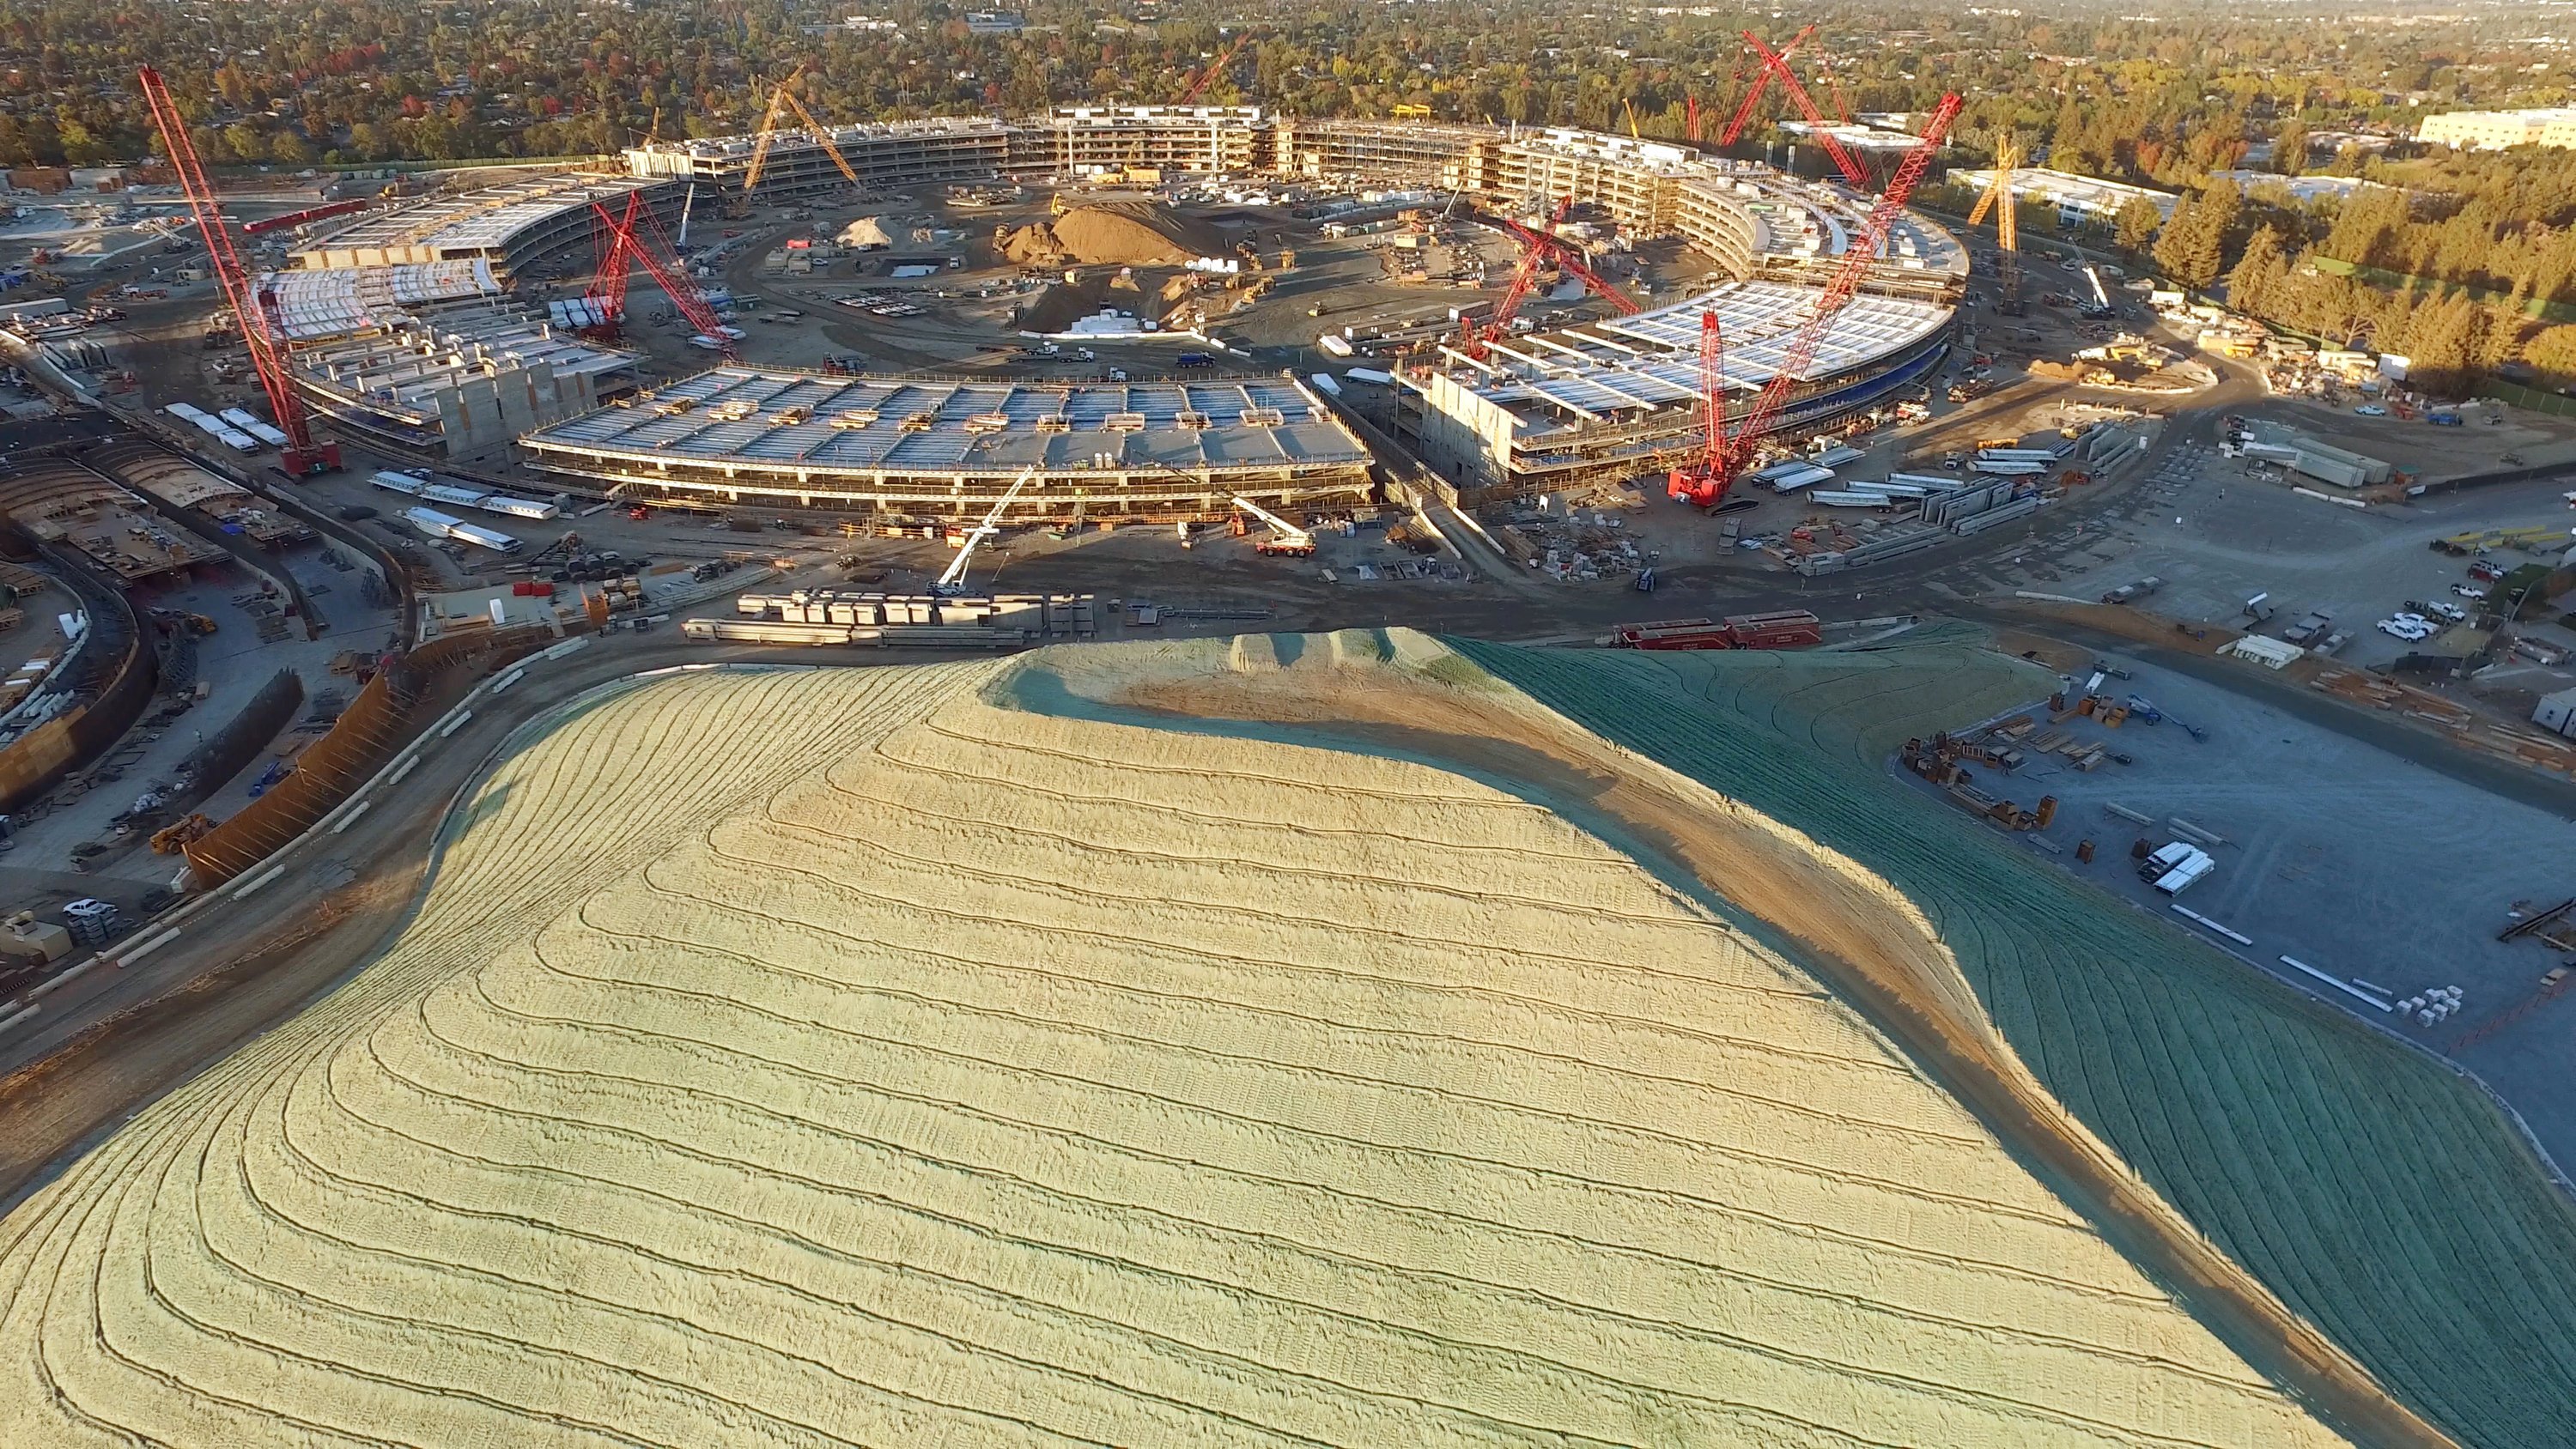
397,482
2018,455
1850,498
508,506
481,537
1837,455
2009,468
1802,475
431,522
237,440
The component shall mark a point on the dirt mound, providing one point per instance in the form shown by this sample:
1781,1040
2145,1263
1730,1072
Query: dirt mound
1115,233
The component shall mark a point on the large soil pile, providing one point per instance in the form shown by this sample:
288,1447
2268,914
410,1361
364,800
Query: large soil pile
1010,1059
1116,234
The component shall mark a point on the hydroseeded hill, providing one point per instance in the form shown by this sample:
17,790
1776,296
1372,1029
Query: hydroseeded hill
1020,1053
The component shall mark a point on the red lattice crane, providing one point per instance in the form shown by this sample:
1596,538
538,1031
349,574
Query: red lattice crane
615,242
1761,82
254,311
1538,248
646,244
1776,62
1705,481
1216,67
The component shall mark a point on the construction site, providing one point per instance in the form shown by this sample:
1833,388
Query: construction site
1168,773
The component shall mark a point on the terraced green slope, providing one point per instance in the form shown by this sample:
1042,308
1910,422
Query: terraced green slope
2377,1193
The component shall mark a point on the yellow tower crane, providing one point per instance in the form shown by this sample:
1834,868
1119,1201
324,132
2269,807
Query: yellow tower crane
1999,198
785,99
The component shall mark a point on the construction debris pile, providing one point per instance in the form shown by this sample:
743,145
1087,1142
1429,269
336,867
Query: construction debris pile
1116,234
2507,740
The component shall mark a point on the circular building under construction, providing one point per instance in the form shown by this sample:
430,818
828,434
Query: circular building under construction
1516,413
912,448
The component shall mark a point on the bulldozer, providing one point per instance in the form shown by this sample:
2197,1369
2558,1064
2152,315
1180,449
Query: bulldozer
171,839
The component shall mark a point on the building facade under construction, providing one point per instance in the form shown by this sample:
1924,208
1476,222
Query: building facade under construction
915,450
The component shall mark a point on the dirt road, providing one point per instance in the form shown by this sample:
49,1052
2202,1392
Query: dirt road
1861,938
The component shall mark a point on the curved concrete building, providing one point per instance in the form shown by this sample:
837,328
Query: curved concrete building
1537,412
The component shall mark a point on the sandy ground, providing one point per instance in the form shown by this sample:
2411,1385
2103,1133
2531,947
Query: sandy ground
944,1071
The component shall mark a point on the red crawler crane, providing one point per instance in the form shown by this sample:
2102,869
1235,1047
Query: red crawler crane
662,264
615,240
1761,82
1722,458
1537,249
1777,63
254,311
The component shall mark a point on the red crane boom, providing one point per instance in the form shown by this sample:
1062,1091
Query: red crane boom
253,309
1778,63
1761,80
1538,248
1215,68
662,264
1705,483
616,259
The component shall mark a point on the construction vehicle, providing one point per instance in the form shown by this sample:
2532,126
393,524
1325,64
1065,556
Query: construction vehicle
1776,63
1538,249
172,839
1705,481
2101,308
1286,539
1999,199
254,310
952,580
783,97
640,239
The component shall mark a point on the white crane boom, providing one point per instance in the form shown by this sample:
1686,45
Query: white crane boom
992,524
1286,534
2101,294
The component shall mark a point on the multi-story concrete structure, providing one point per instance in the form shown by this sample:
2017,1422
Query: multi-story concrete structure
1621,398
887,155
507,225
1530,413
924,450
402,330
2076,198
2498,130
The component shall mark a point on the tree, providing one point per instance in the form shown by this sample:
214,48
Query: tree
2136,224
2552,354
2290,147
2188,248
2255,283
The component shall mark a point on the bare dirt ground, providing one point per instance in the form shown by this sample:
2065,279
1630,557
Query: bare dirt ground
1861,938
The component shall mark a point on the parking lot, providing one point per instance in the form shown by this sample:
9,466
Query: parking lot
2359,863
2218,537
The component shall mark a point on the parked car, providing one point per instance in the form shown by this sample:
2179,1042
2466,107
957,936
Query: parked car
2371,410
2411,632
2468,591
2448,610
2485,572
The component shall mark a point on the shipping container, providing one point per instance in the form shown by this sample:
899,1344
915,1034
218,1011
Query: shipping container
1782,629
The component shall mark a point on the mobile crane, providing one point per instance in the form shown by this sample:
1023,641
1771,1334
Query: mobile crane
1286,539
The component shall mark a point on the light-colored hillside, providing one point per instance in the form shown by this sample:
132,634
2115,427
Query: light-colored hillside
848,1057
